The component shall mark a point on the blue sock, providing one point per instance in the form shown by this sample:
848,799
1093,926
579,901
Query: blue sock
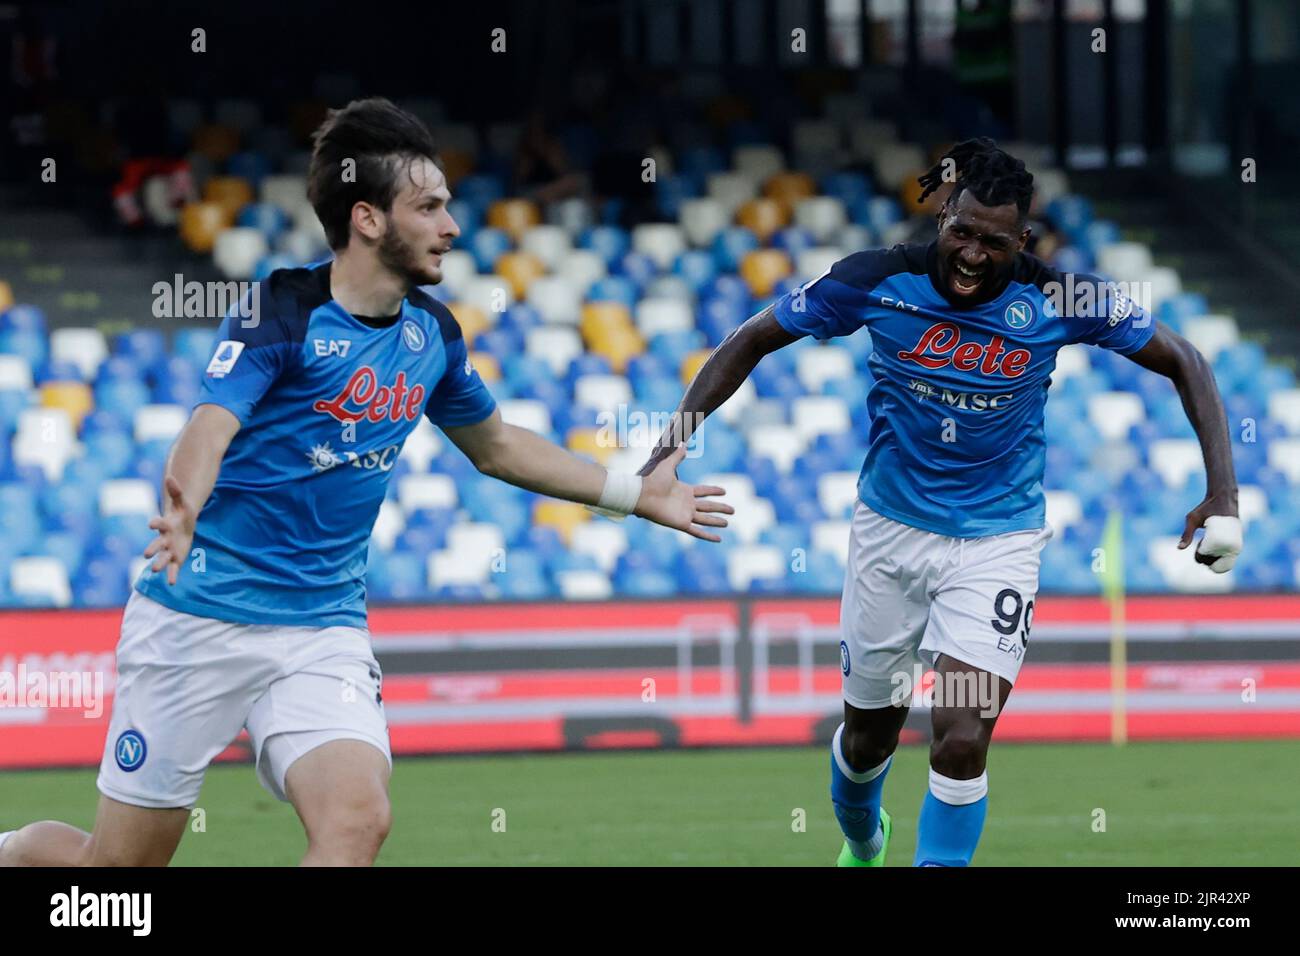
856,797
952,818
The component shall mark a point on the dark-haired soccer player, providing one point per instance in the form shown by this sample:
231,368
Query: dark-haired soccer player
275,484
946,535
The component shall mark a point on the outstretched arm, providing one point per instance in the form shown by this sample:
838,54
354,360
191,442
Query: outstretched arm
524,458
1171,355
192,467
718,379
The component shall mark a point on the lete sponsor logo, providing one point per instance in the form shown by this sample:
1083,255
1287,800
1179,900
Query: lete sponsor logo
941,345
363,397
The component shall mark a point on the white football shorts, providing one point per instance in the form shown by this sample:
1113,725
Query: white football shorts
187,685
911,595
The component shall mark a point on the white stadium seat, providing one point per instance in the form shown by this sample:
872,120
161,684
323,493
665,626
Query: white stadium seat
1063,509
1071,360
127,496
814,415
782,443
82,347
823,216
573,215
815,262
287,192
819,364
837,493
581,267
670,287
557,299
526,413
1181,571
458,268
663,242
702,219
159,422
417,492
1284,455
45,438
41,578
734,409
757,161
1124,261
731,190
1175,460
557,345
1211,334
1114,413
896,162
238,251
578,585
832,537
1284,406
604,541
602,392
550,244
16,371
748,563
493,294
1252,503
663,315
388,525
423,445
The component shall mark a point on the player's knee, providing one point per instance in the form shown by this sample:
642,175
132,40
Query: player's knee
355,830
863,750
959,751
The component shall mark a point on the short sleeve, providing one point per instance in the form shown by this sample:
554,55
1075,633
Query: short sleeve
836,302
249,357
460,397
1112,320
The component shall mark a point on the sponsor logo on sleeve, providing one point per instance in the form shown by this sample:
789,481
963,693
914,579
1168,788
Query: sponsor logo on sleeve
224,359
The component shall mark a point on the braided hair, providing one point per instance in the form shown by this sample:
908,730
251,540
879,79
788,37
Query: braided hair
993,176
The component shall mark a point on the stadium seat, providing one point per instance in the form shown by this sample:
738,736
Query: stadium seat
763,268
818,365
1284,407
513,216
46,439
661,242
127,496
1211,334
557,300
40,582
237,251
520,269
748,563
1114,413
762,217
702,219
426,491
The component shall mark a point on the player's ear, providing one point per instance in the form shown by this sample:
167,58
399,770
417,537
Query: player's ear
367,220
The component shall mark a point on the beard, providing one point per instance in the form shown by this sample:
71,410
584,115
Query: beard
401,257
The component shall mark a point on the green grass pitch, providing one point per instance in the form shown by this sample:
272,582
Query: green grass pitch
1165,804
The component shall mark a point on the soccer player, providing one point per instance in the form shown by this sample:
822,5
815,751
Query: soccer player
946,534
252,613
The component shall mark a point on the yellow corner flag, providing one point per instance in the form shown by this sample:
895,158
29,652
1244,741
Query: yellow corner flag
1112,586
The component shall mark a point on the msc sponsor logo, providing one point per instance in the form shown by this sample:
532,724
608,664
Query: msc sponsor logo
325,458
363,397
966,401
941,345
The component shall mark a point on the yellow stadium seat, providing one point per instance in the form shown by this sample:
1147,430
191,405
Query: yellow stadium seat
599,319
762,217
619,346
218,143
563,516
230,192
487,366
592,442
789,188
6,296
691,364
456,165
471,319
515,216
200,223
763,268
519,269
909,194
75,398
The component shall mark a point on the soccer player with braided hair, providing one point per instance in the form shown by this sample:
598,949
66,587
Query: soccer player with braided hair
950,519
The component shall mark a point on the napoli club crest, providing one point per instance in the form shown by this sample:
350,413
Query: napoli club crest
1019,315
844,658
413,336
130,750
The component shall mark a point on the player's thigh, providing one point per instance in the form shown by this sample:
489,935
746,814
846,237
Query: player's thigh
340,786
184,687
126,835
883,611
330,693
983,612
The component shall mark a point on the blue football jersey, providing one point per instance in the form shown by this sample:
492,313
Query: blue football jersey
325,402
956,443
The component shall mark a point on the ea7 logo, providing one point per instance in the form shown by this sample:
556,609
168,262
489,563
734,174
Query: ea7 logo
338,347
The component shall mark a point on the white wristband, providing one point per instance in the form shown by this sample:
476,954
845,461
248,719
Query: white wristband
619,497
1222,540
